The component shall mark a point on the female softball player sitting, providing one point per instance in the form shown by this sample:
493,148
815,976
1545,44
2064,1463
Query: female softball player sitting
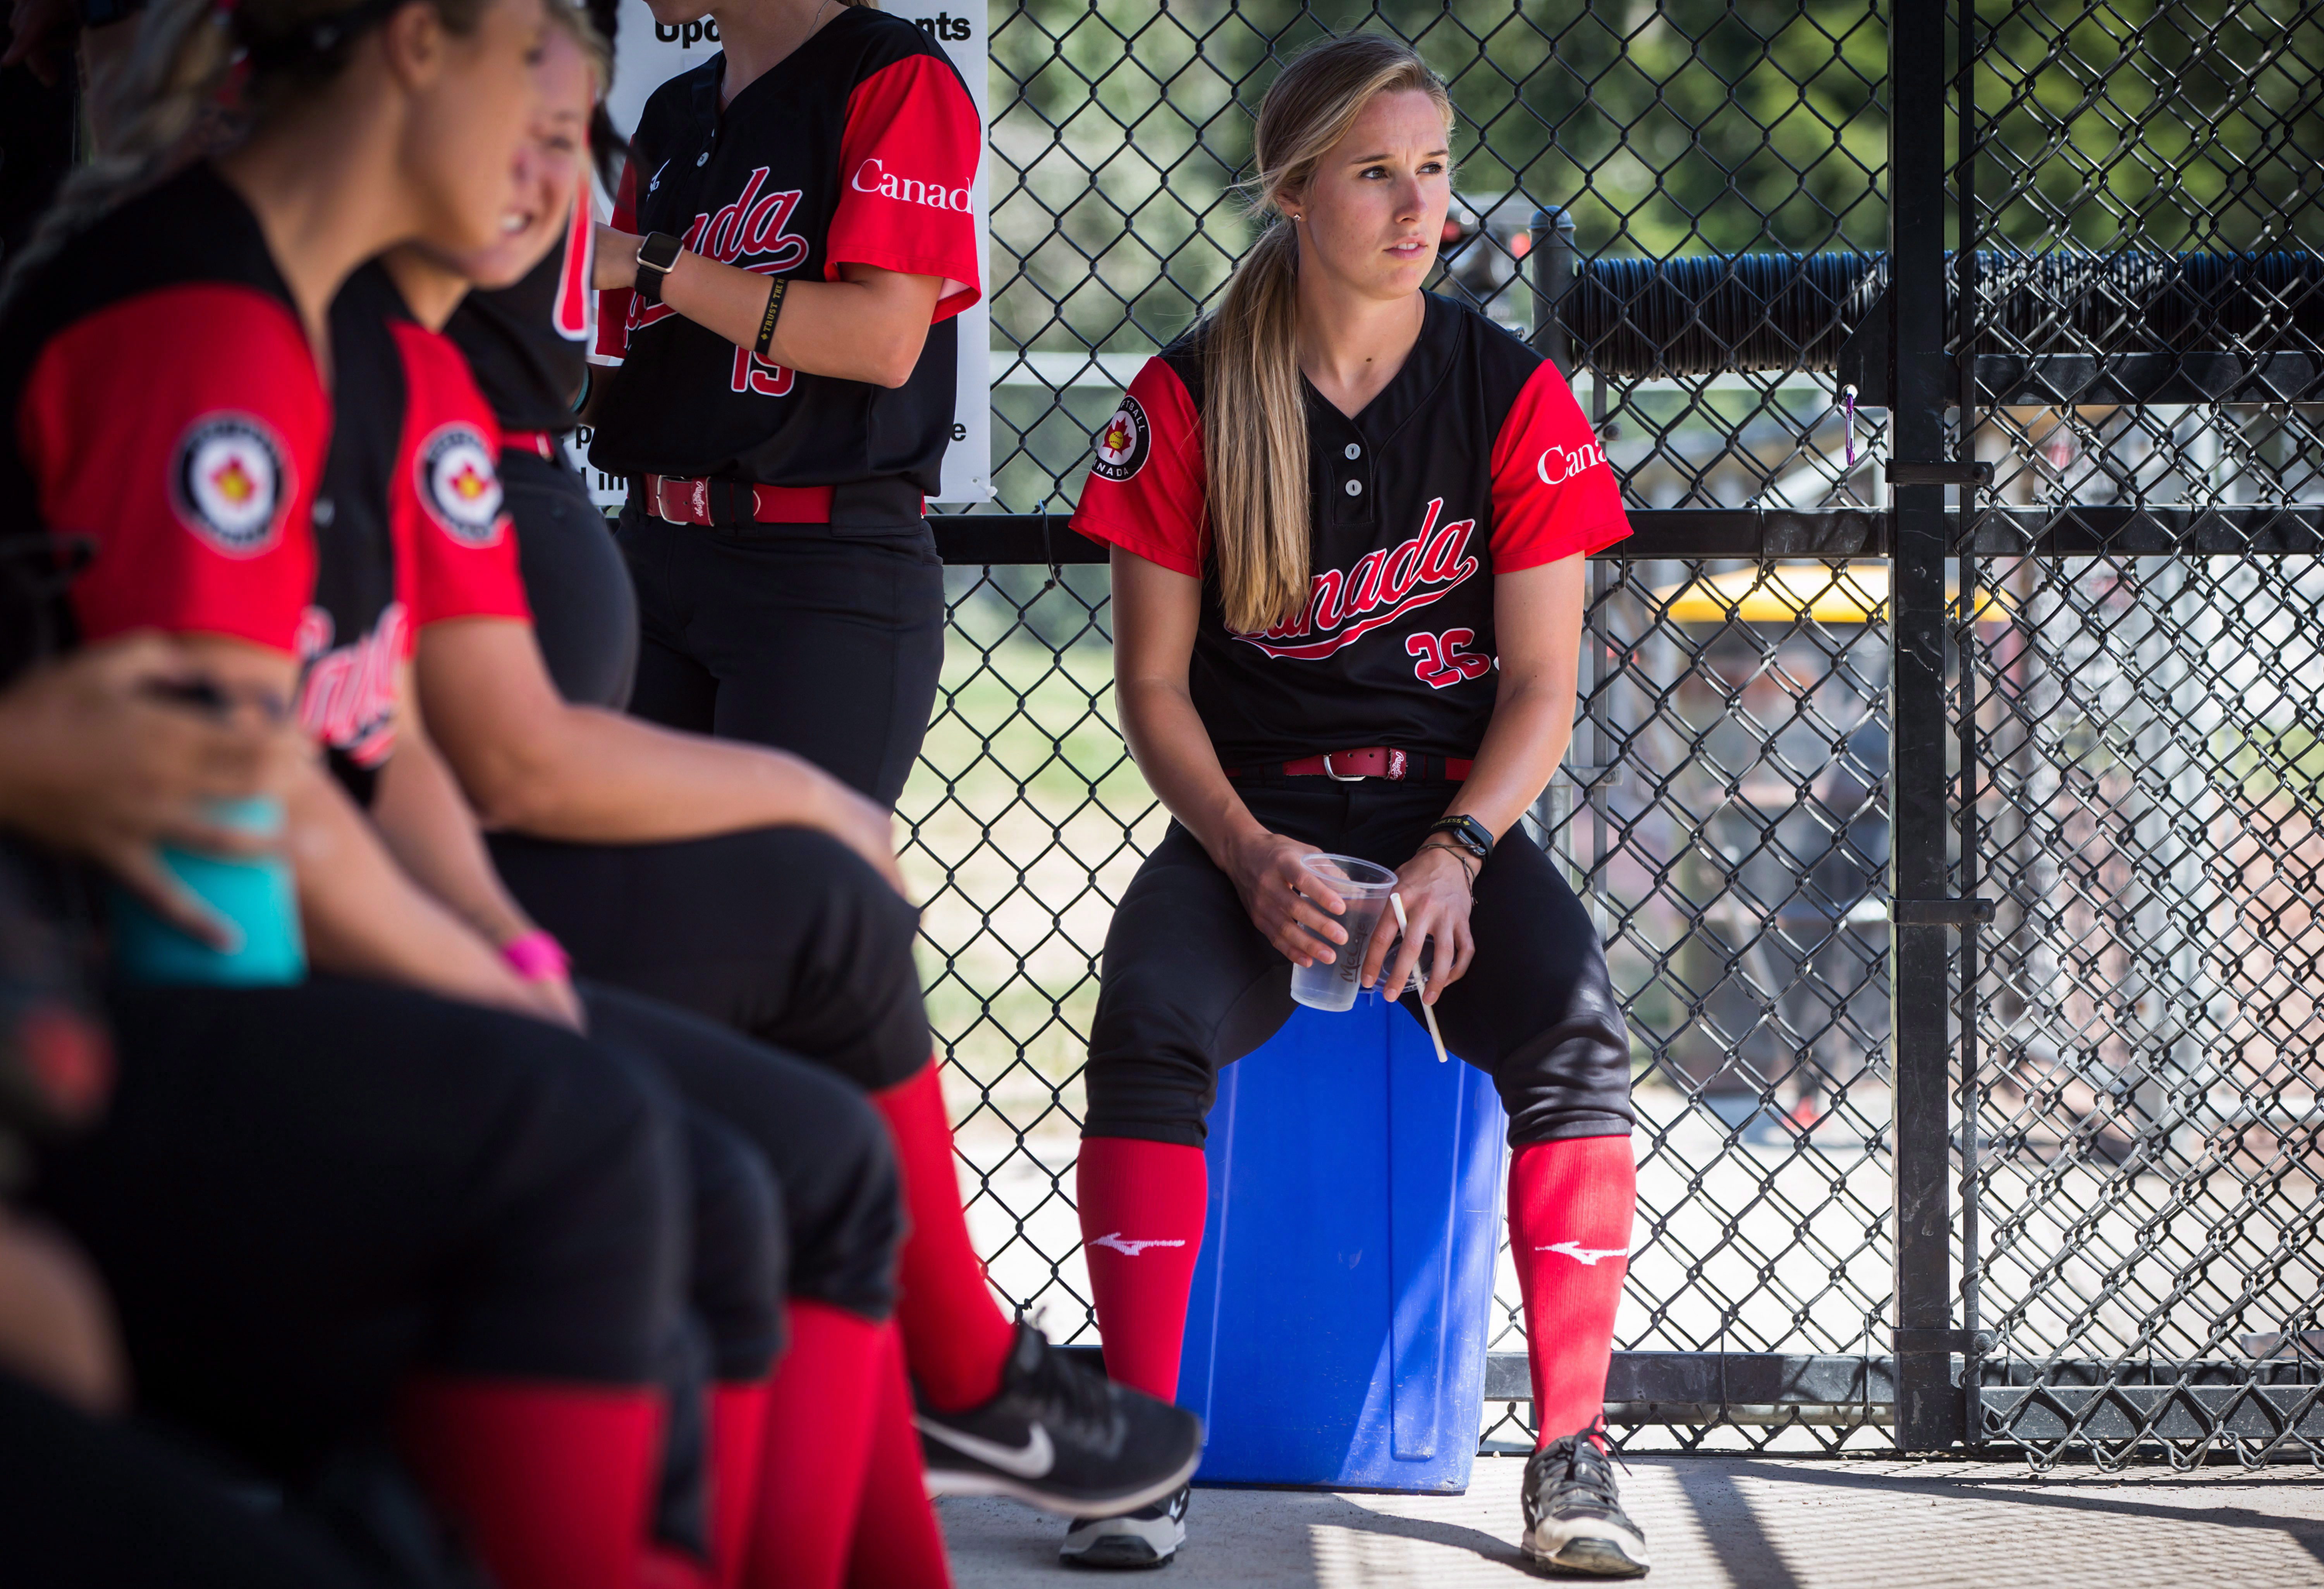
1348,521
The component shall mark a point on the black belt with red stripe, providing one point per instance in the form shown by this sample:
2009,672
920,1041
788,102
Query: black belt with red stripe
1378,761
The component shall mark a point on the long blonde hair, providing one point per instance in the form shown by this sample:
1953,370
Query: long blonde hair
1254,416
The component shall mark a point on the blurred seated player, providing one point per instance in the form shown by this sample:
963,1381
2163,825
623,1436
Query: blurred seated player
332,1211
99,760
1347,520
415,443
741,882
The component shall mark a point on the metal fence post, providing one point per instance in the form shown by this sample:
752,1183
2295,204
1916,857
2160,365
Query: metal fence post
1928,1404
1552,261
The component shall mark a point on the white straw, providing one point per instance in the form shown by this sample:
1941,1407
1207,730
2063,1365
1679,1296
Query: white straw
1419,980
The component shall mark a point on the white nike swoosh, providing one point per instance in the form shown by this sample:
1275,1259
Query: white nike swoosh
1032,1460
1585,1255
1131,1249
657,175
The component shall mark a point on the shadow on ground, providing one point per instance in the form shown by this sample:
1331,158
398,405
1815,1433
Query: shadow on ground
1739,1523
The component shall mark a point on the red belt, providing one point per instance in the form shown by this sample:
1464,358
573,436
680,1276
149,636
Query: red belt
539,443
688,501
1378,762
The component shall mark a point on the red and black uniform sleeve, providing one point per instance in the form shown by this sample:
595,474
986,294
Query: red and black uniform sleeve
1554,495
909,153
1146,489
453,534
181,430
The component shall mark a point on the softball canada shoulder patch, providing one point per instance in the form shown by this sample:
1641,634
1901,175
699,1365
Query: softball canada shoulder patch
1123,444
230,484
460,485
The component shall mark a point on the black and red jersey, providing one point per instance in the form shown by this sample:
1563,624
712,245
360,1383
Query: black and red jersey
529,343
1474,460
861,148
163,406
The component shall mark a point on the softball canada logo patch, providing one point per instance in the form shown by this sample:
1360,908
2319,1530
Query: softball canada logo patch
460,486
1123,444
230,483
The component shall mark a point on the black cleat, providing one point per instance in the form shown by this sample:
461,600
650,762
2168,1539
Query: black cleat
1062,1437
1574,1516
1147,1538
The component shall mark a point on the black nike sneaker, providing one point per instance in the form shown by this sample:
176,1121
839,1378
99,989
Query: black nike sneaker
1147,1538
1062,1437
1574,1516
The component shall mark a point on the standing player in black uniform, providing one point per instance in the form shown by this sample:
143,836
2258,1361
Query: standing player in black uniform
791,242
1347,520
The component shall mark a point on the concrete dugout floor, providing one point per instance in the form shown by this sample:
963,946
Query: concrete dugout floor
1724,1522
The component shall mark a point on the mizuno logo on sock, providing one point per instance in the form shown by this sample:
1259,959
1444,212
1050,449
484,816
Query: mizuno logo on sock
1032,1460
1129,1249
1585,1255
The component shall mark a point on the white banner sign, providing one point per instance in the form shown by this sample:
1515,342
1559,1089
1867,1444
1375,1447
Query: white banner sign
647,54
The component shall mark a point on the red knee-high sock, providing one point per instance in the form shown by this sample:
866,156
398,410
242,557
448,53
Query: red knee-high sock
1571,1205
738,1445
898,1545
1141,1206
955,1337
819,1430
550,1483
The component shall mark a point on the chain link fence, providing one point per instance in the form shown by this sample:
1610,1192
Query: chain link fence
2135,1176
2137,715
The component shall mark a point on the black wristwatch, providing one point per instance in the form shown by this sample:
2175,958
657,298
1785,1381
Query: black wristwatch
656,252
1468,832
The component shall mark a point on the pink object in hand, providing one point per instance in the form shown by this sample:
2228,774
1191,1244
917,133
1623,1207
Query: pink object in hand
536,957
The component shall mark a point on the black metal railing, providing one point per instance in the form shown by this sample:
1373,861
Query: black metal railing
1946,775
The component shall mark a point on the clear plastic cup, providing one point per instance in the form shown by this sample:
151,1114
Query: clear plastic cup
1364,889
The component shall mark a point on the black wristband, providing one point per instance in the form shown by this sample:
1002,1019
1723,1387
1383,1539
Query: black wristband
656,252
1468,832
774,310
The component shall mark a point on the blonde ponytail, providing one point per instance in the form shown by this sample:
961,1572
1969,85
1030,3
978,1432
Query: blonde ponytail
1254,409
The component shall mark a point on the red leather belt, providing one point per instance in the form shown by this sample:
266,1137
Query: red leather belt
691,501
541,444
1378,762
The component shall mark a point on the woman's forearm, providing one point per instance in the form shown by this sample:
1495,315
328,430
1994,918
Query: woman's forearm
868,326
430,831
1531,723
1174,751
364,918
614,779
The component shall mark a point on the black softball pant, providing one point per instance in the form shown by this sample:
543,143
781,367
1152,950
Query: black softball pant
85,1503
816,640
782,933
1189,985
834,1192
300,1194
585,612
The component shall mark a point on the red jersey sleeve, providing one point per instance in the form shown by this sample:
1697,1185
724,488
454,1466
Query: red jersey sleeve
613,302
452,530
1146,491
1553,492
907,161
182,431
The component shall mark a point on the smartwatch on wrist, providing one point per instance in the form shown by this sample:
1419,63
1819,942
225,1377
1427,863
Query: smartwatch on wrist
656,252
1468,832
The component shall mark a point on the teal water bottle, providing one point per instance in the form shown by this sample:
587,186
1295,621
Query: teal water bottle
254,893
